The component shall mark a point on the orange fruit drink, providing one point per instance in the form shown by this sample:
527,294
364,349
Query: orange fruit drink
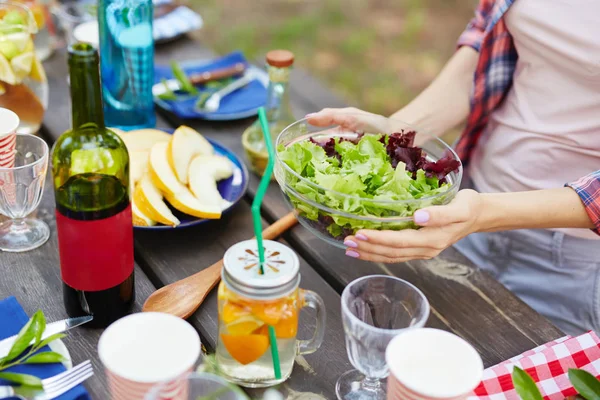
249,304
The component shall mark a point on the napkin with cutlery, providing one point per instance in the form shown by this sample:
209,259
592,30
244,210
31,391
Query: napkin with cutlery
177,21
547,364
12,319
243,100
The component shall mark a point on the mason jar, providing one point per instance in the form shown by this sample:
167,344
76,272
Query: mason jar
258,314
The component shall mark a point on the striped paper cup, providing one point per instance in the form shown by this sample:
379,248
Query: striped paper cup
431,364
145,349
9,122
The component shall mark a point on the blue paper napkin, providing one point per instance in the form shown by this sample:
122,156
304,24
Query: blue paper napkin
242,101
12,319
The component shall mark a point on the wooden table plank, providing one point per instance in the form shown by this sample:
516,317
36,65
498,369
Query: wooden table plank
33,277
457,291
167,256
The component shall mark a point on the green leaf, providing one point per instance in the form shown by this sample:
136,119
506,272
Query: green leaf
202,100
525,386
585,383
49,339
40,325
22,379
168,94
24,338
47,357
178,73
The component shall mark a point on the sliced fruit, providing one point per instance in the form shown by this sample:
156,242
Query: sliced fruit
144,139
138,165
245,348
21,65
37,71
20,39
8,49
6,73
244,325
174,191
203,173
185,145
269,313
139,218
287,327
232,311
150,201
2,89
119,132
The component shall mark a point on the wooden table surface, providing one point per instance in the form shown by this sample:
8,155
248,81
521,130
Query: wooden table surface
463,299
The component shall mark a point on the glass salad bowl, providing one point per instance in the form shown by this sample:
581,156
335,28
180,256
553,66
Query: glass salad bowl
340,180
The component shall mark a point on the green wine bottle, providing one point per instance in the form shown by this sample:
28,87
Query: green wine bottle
90,166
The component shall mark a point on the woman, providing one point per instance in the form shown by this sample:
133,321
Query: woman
526,77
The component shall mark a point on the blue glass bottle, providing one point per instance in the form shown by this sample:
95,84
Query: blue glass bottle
127,63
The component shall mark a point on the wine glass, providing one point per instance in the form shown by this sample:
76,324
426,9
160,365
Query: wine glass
198,386
374,310
21,188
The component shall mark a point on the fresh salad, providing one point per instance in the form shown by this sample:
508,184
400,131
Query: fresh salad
370,176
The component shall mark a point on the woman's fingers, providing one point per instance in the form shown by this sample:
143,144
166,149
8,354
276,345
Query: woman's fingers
393,247
350,118
345,117
429,238
460,209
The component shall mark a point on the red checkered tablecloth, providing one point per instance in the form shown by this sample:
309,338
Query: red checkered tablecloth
548,365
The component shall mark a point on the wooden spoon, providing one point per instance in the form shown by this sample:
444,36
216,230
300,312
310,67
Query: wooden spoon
182,298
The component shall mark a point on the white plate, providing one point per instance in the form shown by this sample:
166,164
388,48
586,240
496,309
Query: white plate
59,347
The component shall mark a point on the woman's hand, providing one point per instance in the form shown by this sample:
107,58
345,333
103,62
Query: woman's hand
350,118
442,227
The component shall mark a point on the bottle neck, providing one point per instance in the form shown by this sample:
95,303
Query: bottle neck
86,95
278,102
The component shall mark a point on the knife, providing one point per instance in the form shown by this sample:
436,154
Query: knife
197,79
51,329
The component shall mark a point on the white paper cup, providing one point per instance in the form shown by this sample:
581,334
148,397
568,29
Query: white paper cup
144,349
9,122
428,364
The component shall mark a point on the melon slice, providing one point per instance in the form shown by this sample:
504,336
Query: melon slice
150,201
174,191
144,139
185,145
204,173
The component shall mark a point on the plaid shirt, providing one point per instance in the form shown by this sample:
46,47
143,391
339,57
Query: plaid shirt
487,33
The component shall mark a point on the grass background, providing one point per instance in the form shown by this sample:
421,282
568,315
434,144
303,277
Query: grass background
375,54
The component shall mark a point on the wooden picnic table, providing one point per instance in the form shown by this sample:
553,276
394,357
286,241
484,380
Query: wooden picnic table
463,299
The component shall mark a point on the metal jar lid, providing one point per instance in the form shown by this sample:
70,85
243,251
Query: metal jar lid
241,272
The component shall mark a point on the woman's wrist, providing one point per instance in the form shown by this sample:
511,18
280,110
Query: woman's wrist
537,209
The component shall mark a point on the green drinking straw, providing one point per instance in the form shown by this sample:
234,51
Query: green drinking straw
260,193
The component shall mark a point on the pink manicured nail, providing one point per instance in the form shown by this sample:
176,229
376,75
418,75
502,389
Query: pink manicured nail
310,115
421,217
360,236
352,253
350,243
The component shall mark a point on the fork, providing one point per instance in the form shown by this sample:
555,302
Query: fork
51,387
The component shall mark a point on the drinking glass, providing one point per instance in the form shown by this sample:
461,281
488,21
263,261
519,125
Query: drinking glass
374,310
199,386
21,188
127,63
72,15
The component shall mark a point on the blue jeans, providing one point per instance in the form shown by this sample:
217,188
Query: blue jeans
555,274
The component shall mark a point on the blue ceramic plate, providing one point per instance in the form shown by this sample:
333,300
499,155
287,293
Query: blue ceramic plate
232,190
242,103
